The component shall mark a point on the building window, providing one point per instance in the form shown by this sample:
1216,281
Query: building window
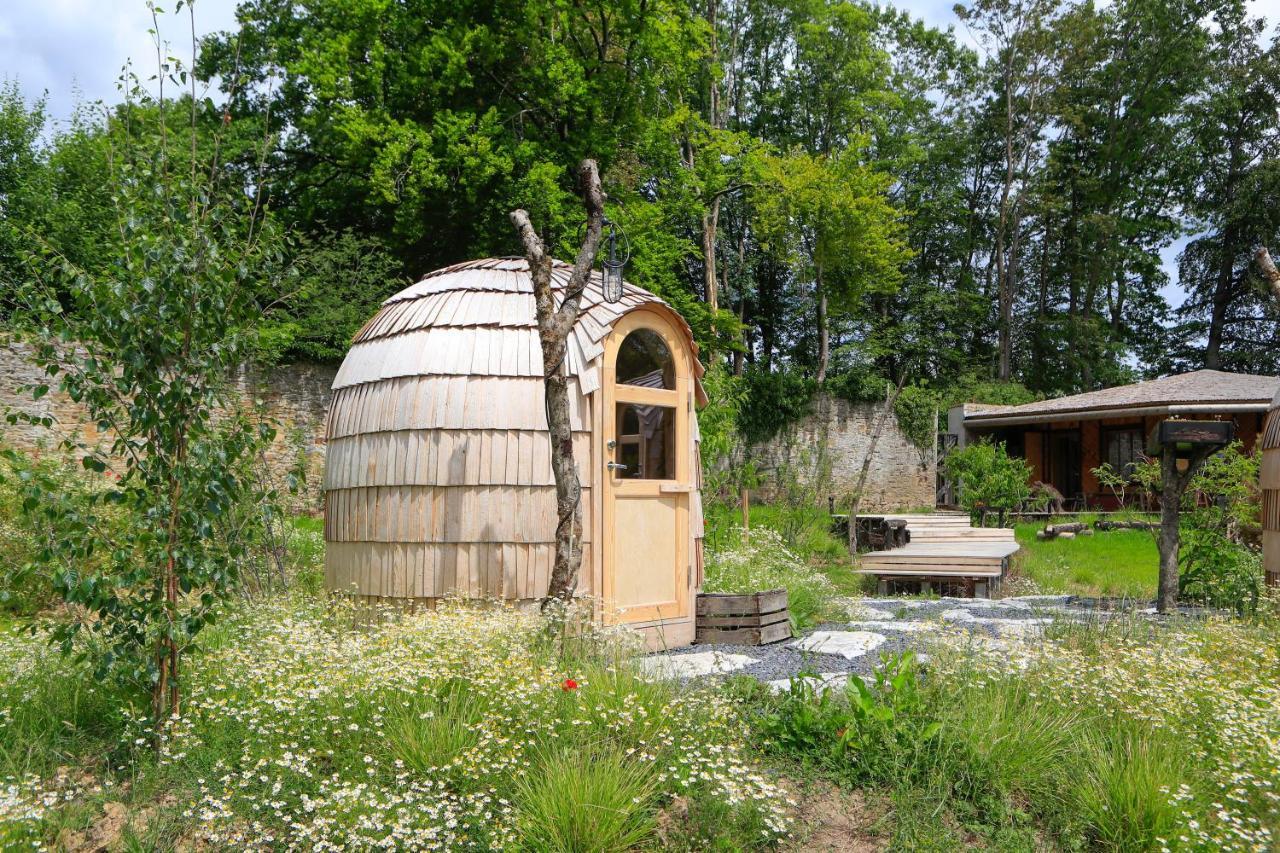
1123,449
643,359
646,442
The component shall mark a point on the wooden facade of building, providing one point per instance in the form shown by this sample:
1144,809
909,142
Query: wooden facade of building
438,479
1064,439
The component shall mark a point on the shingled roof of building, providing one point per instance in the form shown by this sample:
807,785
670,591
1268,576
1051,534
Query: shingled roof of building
1200,390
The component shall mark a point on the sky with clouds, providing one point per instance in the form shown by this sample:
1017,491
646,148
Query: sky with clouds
71,51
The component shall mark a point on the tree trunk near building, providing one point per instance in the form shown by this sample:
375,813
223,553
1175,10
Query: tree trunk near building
824,334
554,327
865,471
1173,485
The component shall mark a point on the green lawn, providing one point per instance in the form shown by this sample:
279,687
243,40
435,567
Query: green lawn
1116,563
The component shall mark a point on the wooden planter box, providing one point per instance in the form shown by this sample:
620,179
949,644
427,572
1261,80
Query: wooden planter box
754,619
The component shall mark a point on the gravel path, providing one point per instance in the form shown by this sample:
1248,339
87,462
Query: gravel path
885,625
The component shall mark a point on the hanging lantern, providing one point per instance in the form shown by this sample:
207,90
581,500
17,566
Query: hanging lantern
613,265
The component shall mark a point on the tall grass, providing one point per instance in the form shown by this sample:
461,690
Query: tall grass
764,562
465,728
591,800
1116,734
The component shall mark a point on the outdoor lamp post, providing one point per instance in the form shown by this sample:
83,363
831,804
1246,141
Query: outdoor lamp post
613,265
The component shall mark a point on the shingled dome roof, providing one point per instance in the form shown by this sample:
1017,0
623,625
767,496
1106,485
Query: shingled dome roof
438,475
419,331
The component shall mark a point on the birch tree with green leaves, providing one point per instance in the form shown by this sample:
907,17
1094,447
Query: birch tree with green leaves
147,343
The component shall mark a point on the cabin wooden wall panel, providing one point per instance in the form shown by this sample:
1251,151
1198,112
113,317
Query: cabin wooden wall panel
447,514
455,402
398,570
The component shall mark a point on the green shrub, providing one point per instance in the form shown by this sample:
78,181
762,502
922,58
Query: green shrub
867,733
27,585
1217,571
773,400
988,478
916,409
1221,563
857,386
724,469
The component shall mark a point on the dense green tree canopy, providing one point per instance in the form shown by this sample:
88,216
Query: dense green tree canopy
831,190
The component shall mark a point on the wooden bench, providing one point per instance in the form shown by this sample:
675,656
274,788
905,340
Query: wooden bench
946,555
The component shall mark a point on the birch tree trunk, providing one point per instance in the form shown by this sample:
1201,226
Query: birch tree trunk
1267,268
554,326
710,224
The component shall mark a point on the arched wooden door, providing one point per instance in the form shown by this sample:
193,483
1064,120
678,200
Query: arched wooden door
647,476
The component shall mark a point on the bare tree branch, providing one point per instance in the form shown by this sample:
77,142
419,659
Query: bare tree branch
554,327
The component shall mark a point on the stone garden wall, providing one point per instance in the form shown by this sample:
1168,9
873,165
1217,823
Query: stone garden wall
295,395
821,455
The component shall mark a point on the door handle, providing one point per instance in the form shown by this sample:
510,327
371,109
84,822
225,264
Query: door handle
616,466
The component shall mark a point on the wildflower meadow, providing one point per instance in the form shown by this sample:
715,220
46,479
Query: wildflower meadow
309,728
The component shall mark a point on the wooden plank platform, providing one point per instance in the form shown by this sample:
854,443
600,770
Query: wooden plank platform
944,545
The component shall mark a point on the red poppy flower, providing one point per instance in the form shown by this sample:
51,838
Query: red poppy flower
569,684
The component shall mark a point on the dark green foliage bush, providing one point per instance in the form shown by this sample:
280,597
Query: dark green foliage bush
773,400
858,386
1221,562
917,408
26,586
971,389
342,278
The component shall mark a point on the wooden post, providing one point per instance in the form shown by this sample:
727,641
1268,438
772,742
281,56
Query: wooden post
1173,484
746,514
1270,479
1271,495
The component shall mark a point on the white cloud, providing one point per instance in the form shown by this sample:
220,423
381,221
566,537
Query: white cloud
74,50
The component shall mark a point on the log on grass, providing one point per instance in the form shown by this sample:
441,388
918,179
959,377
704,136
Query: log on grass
1065,531
1101,524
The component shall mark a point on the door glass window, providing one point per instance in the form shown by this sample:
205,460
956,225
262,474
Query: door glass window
646,437
643,359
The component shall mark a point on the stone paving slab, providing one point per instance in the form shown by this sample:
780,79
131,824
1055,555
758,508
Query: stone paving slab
848,644
695,664
881,626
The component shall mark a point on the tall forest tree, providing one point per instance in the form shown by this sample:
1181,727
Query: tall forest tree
1226,322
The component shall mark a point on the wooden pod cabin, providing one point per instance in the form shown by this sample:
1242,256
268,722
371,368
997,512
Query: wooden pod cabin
438,471
1271,494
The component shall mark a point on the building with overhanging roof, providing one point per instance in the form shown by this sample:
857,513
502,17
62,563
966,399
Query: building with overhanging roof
1064,438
